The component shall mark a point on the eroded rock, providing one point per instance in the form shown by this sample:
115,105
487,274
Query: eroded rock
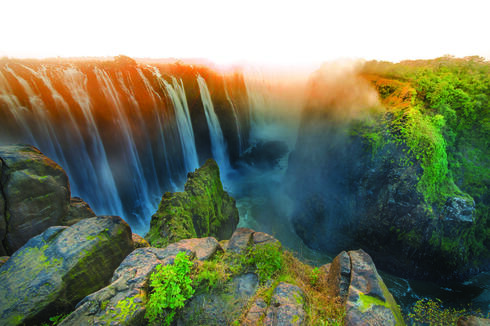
287,306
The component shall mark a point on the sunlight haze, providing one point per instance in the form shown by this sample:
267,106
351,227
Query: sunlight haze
260,32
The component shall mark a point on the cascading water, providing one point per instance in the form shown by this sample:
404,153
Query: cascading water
237,121
123,134
217,139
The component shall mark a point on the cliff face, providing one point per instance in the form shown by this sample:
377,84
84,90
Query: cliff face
203,209
357,182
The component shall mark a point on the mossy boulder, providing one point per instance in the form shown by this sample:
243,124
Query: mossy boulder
34,195
203,209
367,299
123,301
59,267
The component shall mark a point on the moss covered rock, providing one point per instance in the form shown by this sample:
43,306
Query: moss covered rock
56,269
203,209
34,195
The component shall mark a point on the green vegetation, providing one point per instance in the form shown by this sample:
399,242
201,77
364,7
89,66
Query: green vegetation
171,288
266,258
432,312
438,116
55,320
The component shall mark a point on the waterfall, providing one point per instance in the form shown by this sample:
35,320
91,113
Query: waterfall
177,95
237,121
217,140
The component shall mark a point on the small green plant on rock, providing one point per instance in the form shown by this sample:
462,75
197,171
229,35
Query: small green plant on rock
267,258
172,287
431,312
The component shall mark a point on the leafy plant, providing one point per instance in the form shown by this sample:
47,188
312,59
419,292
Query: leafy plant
211,274
432,312
315,273
55,320
171,288
267,258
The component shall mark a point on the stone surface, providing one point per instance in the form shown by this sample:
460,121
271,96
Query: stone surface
240,240
256,313
368,300
339,275
203,209
264,238
77,211
122,302
459,209
3,260
36,193
220,306
139,241
287,306
473,321
57,268
204,248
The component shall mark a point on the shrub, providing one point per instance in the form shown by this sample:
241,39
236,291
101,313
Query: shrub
171,288
267,258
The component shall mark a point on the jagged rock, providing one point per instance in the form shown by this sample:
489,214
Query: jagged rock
221,306
139,241
240,240
203,209
256,313
123,301
287,306
339,275
325,269
264,238
368,300
36,192
3,260
77,211
459,209
204,248
473,321
57,268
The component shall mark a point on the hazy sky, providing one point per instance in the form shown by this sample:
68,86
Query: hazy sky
265,32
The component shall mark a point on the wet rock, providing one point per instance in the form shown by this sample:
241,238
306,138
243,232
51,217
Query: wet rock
62,265
139,241
77,211
123,301
368,300
240,240
459,209
203,209
287,306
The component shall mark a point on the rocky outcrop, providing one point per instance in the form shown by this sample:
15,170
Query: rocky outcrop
473,321
139,241
203,209
123,301
367,300
34,195
57,268
287,306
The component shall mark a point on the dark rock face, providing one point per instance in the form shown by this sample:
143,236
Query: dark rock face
123,301
265,154
34,195
57,268
357,282
203,209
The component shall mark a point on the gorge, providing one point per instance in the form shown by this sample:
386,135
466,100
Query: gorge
325,161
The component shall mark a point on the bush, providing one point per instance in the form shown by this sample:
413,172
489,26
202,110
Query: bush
267,258
171,288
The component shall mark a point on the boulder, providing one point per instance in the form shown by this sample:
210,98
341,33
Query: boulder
203,209
473,321
139,241
339,273
222,306
59,267
204,248
459,209
36,194
240,240
123,301
256,313
287,306
77,211
368,301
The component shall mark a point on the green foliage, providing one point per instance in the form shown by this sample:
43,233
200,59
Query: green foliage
315,273
212,274
171,288
267,258
55,320
432,312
